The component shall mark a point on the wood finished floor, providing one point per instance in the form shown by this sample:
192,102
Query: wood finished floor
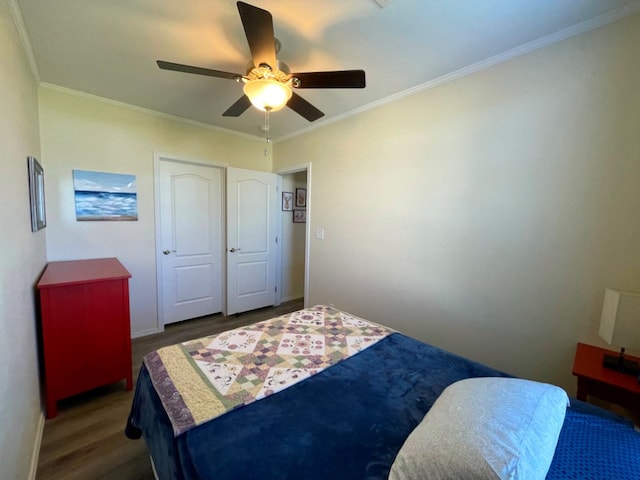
86,440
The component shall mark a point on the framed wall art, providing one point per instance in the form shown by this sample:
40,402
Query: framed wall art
105,196
301,198
36,194
287,201
299,216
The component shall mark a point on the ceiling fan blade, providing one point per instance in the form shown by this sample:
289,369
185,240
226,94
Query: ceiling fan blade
258,27
336,79
304,108
178,67
238,108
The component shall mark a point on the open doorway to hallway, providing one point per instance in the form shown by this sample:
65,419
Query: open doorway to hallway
292,280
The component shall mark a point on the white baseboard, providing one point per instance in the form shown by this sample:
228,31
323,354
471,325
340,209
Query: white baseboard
144,333
36,448
292,297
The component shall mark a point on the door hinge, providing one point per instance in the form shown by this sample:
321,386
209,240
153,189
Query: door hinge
276,239
276,289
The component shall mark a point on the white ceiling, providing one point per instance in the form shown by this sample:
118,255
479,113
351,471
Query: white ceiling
109,48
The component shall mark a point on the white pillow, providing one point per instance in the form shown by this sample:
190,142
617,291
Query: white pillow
485,428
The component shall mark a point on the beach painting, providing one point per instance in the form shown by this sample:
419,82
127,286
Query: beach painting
105,196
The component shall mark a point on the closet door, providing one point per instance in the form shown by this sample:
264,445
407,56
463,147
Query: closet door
252,206
190,240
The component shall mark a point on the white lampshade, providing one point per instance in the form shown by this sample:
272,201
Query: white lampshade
267,94
620,321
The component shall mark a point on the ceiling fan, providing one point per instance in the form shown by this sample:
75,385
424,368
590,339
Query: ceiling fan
268,84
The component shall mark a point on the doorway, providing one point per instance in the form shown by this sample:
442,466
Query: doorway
294,228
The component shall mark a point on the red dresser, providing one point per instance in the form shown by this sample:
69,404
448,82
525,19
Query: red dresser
85,327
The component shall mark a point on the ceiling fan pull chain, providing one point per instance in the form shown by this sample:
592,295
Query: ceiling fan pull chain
267,136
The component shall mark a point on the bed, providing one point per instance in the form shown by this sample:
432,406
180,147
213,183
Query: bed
348,413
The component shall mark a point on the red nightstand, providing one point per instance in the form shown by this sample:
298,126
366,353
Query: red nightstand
609,385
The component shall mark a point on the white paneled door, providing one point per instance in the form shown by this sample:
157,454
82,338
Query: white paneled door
190,240
252,206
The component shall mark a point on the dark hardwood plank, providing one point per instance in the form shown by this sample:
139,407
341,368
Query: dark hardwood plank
86,440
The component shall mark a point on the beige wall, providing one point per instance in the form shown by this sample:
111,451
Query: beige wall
22,259
488,215
85,133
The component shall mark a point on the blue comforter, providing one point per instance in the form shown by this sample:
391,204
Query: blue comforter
350,420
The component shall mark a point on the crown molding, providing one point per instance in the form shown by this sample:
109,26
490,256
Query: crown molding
18,21
148,111
578,29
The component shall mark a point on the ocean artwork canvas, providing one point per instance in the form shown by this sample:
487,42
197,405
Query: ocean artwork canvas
105,196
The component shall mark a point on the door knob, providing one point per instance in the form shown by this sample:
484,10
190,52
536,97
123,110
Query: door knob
167,252
233,249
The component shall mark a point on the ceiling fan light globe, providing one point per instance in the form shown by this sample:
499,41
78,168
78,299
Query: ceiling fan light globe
267,94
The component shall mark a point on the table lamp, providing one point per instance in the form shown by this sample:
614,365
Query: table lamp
620,326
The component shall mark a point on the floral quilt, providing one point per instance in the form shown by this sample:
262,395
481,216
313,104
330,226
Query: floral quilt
202,379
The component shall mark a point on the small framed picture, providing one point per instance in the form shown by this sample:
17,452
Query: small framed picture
36,194
287,201
301,198
299,216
